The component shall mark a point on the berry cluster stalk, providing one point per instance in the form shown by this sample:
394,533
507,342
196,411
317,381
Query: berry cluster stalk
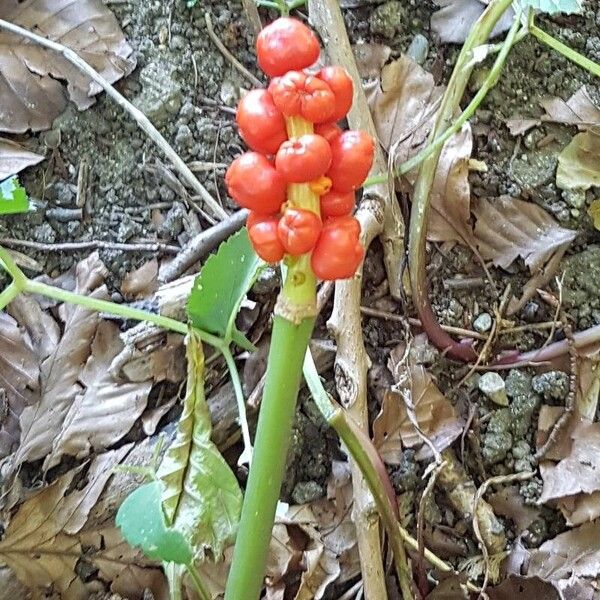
292,327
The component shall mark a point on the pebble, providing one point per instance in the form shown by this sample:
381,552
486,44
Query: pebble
493,386
418,49
482,323
553,385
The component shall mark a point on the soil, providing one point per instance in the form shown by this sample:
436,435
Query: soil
189,91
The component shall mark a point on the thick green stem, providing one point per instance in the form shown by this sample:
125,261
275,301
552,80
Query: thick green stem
566,51
422,190
9,294
288,346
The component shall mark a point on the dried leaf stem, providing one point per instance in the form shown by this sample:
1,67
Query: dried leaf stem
422,189
140,118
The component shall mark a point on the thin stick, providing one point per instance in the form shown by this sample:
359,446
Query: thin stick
476,529
230,57
92,245
140,118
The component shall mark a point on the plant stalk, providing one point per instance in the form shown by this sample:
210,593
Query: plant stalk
422,189
288,346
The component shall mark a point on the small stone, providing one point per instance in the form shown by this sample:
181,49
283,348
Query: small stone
498,439
307,491
482,323
386,20
518,384
493,386
521,449
553,385
418,49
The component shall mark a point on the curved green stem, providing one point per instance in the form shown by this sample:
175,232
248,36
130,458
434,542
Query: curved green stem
9,294
422,189
241,403
566,51
288,346
514,36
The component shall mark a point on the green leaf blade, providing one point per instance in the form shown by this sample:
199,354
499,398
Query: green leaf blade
553,7
13,197
222,284
201,496
142,524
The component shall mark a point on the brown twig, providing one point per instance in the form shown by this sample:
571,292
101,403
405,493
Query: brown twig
378,214
476,528
140,118
92,245
555,320
230,57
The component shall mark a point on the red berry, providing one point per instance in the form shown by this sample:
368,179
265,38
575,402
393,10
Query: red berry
340,83
337,204
286,45
262,231
351,160
254,183
298,230
328,130
303,159
261,124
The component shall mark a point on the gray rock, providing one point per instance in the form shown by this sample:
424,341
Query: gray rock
493,386
307,491
553,385
498,439
482,323
418,49
518,383
386,20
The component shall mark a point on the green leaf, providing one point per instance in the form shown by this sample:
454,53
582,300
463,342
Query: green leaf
142,523
13,197
222,284
553,7
201,496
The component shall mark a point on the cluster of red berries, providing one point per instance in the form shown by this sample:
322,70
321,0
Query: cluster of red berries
333,162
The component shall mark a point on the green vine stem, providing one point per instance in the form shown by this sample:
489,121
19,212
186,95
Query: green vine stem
288,346
514,36
422,189
566,51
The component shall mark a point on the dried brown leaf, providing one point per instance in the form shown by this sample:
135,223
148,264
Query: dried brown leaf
107,409
60,384
19,374
523,588
404,107
370,58
454,20
508,503
15,158
30,75
142,282
572,554
578,110
579,163
519,125
507,228
41,544
435,417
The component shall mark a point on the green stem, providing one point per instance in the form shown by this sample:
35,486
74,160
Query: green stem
174,578
422,189
241,403
515,35
9,294
288,346
566,51
198,583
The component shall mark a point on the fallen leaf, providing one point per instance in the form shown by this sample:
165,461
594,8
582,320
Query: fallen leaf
519,125
578,110
594,212
523,588
108,408
508,503
552,7
30,75
15,158
19,374
507,228
454,20
42,544
142,282
436,418
452,587
13,197
60,385
572,554
404,107
579,163
370,58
